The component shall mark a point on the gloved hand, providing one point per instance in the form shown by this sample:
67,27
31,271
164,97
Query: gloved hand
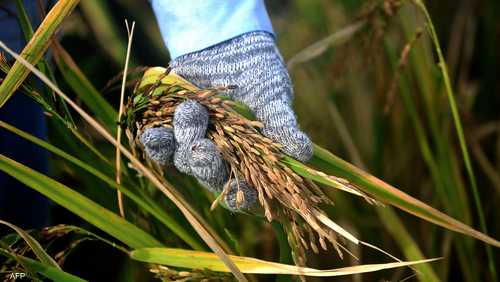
253,63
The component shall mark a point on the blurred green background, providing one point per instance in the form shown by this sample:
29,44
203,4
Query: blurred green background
372,94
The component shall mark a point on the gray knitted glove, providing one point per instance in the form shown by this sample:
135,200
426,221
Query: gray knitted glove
159,144
251,62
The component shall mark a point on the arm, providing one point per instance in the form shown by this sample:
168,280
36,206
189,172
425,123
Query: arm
192,25
230,43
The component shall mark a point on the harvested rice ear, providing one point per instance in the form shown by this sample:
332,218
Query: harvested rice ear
236,148
159,144
207,165
240,196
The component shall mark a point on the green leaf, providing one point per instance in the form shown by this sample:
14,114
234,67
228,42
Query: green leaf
51,272
80,84
24,21
97,215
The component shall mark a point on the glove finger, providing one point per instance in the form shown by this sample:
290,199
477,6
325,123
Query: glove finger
210,169
248,198
280,125
190,122
207,165
159,144
181,158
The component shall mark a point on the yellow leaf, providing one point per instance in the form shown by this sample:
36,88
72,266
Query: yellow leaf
204,260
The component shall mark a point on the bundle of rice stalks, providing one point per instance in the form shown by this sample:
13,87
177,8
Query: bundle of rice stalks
283,194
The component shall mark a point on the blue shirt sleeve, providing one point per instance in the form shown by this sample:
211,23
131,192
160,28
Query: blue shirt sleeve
192,25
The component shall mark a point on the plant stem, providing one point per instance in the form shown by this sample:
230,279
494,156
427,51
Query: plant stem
460,133
130,32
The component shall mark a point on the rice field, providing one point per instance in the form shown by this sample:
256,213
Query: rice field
399,97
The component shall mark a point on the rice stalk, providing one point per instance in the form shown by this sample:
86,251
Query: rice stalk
130,32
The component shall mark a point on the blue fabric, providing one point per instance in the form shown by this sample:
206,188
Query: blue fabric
192,25
10,32
19,204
